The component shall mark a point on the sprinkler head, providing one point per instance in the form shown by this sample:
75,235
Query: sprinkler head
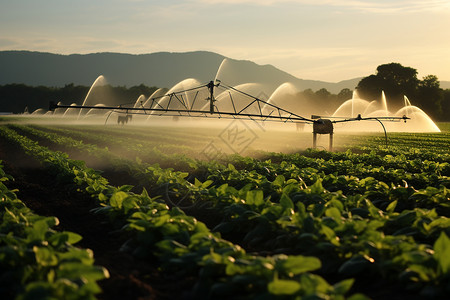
52,105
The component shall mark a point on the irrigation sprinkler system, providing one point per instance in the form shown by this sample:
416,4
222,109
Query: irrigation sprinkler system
176,104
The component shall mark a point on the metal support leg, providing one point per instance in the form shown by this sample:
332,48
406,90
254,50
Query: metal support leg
314,140
331,142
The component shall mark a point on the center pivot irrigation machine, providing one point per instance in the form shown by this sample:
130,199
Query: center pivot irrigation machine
185,103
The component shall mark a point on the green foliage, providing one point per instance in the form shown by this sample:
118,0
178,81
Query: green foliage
376,213
37,262
442,253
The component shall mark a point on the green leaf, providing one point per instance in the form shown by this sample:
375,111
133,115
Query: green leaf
73,238
60,238
334,213
117,199
74,271
297,264
286,202
442,222
422,272
391,206
207,183
442,252
197,183
38,231
317,187
343,286
144,194
129,203
358,297
330,234
45,257
125,188
255,197
314,284
283,287
279,181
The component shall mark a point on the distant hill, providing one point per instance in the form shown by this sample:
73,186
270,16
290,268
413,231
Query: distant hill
161,69
445,85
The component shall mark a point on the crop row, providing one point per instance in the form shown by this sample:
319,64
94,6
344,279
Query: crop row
106,137
38,262
428,144
350,233
384,216
106,152
182,243
388,177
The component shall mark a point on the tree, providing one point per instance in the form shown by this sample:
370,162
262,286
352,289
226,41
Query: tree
445,105
430,96
345,94
370,87
398,80
323,93
394,79
15,97
308,94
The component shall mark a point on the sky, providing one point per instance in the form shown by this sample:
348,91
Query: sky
329,40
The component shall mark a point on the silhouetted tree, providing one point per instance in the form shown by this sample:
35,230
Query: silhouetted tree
398,80
394,79
370,87
308,94
345,94
15,97
430,95
323,93
445,105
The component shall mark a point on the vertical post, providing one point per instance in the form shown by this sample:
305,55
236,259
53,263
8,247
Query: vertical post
331,142
314,140
211,96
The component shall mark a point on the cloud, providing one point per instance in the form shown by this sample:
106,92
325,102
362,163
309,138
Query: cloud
372,6
7,43
340,63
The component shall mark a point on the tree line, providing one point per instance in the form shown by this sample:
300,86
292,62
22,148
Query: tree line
394,79
398,81
17,98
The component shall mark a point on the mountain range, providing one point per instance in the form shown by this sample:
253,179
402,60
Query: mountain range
162,69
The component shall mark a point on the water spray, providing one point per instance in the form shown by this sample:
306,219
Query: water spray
253,110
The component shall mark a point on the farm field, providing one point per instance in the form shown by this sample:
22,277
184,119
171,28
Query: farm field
169,212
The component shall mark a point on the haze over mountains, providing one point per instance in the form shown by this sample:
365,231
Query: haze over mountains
162,69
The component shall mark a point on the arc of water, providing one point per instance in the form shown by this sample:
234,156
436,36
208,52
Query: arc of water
355,96
384,101
139,101
224,61
99,78
407,104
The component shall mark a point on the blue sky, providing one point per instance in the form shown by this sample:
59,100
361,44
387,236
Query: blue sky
311,39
